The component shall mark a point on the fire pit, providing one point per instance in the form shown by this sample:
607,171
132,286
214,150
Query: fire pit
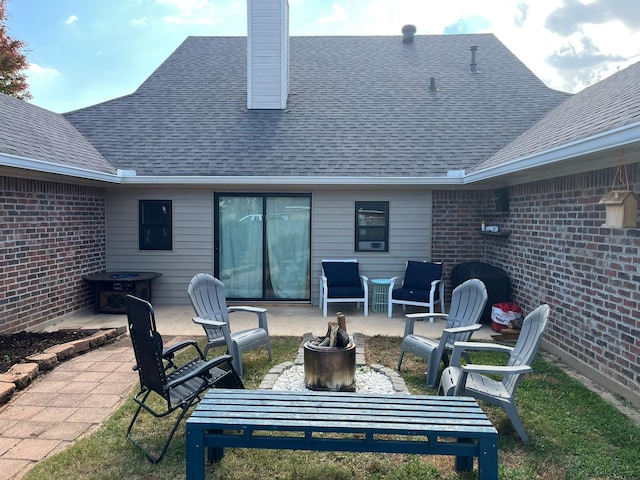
330,361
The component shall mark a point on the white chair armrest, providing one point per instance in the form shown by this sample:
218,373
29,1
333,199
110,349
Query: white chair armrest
472,328
460,347
465,370
499,369
392,283
206,321
243,308
427,315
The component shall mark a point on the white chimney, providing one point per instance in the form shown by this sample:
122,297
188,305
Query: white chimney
267,54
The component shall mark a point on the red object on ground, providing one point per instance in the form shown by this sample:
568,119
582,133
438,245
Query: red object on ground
503,313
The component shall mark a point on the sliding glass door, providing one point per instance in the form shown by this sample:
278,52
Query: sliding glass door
263,246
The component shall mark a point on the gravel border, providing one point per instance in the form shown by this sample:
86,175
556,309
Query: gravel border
397,381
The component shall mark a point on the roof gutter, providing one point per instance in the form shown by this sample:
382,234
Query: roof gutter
612,139
41,166
290,180
129,177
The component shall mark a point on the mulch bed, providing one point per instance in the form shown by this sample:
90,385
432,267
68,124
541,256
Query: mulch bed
16,347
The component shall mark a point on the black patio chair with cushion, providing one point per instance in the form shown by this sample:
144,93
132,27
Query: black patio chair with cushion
341,282
178,384
422,286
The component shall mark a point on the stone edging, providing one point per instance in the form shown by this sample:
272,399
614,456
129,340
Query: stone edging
396,380
20,375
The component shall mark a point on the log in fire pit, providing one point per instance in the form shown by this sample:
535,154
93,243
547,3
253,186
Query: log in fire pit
330,361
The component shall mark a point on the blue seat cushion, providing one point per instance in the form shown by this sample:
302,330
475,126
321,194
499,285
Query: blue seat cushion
345,292
419,275
412,295
342,274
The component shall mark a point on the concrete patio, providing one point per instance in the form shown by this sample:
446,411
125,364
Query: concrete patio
289,319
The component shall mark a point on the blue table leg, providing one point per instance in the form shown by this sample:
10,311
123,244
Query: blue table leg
195,454
488,458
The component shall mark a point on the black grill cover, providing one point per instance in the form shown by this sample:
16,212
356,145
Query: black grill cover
494,278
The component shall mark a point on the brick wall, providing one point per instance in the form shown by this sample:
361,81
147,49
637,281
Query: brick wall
50,235
560,253
456,222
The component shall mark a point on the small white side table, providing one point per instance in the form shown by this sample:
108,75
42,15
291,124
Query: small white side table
380,294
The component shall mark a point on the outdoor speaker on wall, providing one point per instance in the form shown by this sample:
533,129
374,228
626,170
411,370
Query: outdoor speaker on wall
502,200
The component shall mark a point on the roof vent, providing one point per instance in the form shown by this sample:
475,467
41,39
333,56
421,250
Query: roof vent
473,67
408,33
433,87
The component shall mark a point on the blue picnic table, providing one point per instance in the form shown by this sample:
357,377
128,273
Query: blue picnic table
359,422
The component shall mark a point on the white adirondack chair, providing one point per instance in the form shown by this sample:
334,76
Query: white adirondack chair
208,297
471,380
467,304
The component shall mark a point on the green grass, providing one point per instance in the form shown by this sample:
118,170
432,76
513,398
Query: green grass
574,434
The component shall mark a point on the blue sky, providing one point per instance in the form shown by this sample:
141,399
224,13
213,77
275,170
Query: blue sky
83,52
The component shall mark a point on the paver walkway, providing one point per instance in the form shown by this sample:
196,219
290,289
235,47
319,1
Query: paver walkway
63,405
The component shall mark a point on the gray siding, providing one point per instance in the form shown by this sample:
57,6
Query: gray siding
332,236
192,240
333,232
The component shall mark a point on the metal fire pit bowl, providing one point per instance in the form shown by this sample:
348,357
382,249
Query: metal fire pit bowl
329,368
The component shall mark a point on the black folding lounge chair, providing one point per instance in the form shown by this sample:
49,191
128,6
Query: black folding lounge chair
180,385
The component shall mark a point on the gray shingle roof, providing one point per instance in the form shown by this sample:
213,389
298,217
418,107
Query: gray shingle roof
358,106
38,134
609,104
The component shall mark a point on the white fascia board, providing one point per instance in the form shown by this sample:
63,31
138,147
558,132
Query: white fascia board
290,180
55,168
128,177
617,138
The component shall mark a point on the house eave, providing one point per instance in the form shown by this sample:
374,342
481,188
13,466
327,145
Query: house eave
588,152
595,152
43,167
129,177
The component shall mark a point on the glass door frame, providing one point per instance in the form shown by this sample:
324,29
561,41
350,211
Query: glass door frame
264,266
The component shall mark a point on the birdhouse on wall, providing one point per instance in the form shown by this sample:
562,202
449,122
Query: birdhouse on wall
622,209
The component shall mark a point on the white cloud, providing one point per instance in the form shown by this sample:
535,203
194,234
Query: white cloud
139,21
189,20
339,15
191,12
71,19
44,84
40,71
